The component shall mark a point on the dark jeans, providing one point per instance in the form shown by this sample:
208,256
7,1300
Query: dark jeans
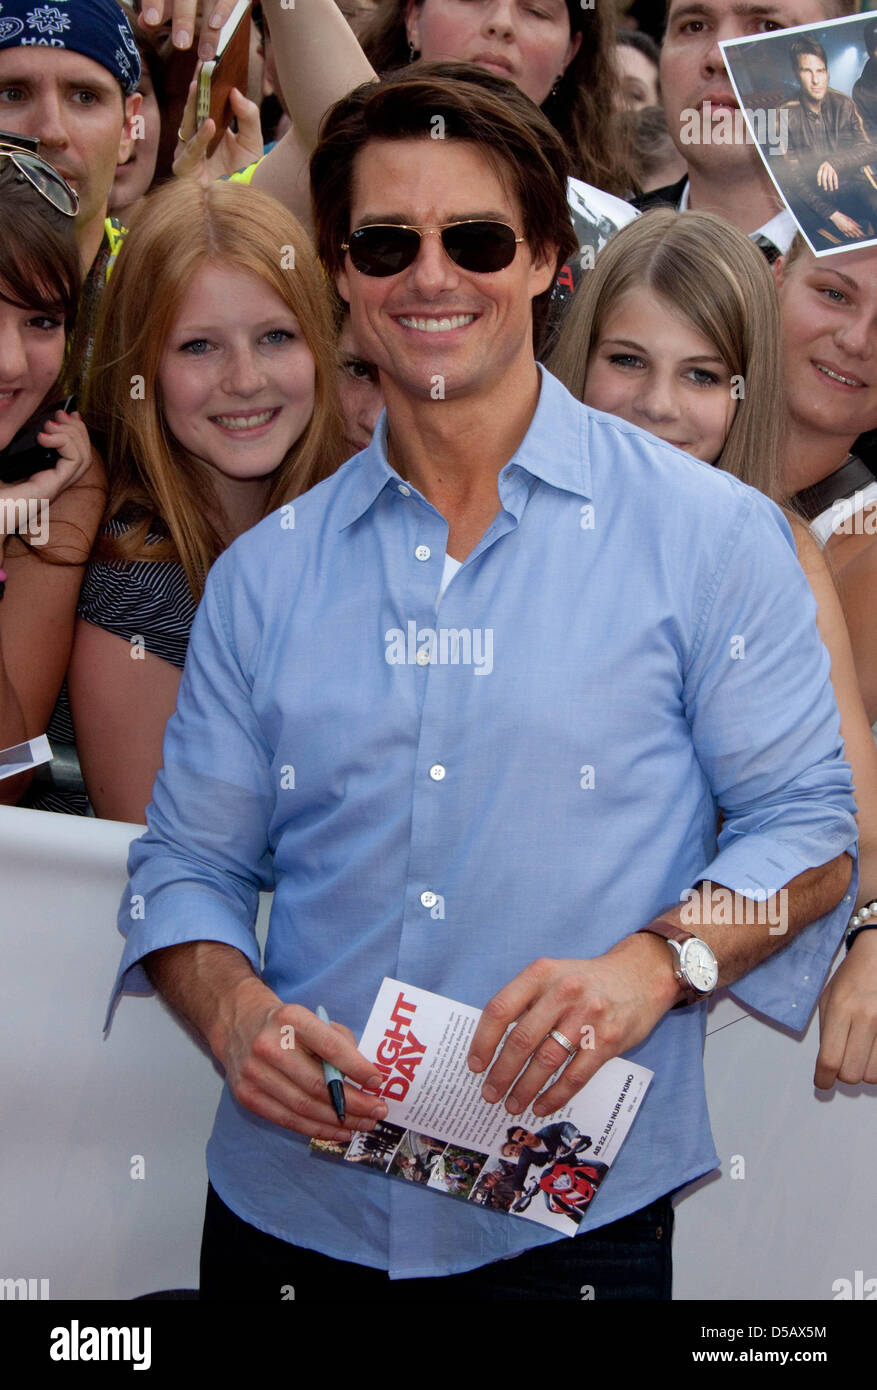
630,1258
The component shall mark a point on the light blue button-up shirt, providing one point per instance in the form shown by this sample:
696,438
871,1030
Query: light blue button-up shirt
630,646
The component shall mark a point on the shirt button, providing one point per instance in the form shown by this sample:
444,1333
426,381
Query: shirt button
423,656
428,899
437,772
405,491
422,552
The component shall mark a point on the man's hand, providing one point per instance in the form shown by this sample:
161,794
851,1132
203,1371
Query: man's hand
234,151
183,16
826,176
848,1019
620,995
847,225
272,1055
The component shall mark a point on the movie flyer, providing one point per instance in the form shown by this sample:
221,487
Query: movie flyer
441,1134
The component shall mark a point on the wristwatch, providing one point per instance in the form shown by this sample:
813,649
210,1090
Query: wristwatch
695,964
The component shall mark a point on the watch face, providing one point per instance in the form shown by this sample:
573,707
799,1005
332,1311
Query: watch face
699,965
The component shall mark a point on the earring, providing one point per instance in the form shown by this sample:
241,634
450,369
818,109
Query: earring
413,53
556,88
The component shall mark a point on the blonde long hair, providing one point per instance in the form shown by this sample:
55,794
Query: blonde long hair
154,482
714,275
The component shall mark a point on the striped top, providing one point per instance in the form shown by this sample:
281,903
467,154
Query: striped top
146,600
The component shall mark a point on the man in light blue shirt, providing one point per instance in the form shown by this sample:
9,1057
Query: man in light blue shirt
486,779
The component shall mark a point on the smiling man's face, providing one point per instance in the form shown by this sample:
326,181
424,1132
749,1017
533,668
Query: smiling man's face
435,319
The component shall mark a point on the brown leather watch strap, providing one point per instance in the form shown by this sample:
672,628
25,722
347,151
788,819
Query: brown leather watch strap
670,930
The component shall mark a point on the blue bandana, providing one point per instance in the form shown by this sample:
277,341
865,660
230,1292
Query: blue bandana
98,29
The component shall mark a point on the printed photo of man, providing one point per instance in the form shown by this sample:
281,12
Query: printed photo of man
830,173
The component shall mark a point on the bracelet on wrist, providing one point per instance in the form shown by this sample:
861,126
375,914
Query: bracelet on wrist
865,919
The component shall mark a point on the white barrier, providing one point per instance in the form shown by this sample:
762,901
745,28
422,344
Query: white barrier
80,1117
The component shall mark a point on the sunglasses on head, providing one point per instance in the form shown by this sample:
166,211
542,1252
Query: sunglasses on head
388,248
41,176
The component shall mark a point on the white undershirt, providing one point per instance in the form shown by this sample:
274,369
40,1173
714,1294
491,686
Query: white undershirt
450,569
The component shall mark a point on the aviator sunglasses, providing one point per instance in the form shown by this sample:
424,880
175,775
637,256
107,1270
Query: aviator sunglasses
388,248
46,180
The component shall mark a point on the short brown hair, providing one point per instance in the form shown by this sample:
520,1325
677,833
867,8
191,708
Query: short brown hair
479,107
806,48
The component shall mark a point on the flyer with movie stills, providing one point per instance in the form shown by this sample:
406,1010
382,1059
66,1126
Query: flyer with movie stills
808,97
441,1134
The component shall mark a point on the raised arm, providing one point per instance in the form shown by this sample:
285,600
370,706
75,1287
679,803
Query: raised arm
319,61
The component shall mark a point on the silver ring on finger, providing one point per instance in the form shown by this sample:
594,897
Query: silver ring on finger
564,1041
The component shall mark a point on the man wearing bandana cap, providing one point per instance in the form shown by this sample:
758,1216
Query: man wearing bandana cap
69,70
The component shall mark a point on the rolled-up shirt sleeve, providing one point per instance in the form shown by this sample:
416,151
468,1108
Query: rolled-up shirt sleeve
197,872
767,733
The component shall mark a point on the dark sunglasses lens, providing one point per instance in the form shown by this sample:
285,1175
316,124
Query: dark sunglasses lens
480,246
383,250
50,184
45,180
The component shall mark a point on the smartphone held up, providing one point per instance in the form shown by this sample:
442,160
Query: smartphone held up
227,70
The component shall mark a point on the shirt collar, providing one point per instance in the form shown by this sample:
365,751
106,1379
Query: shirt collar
780,229
554,450
371,474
